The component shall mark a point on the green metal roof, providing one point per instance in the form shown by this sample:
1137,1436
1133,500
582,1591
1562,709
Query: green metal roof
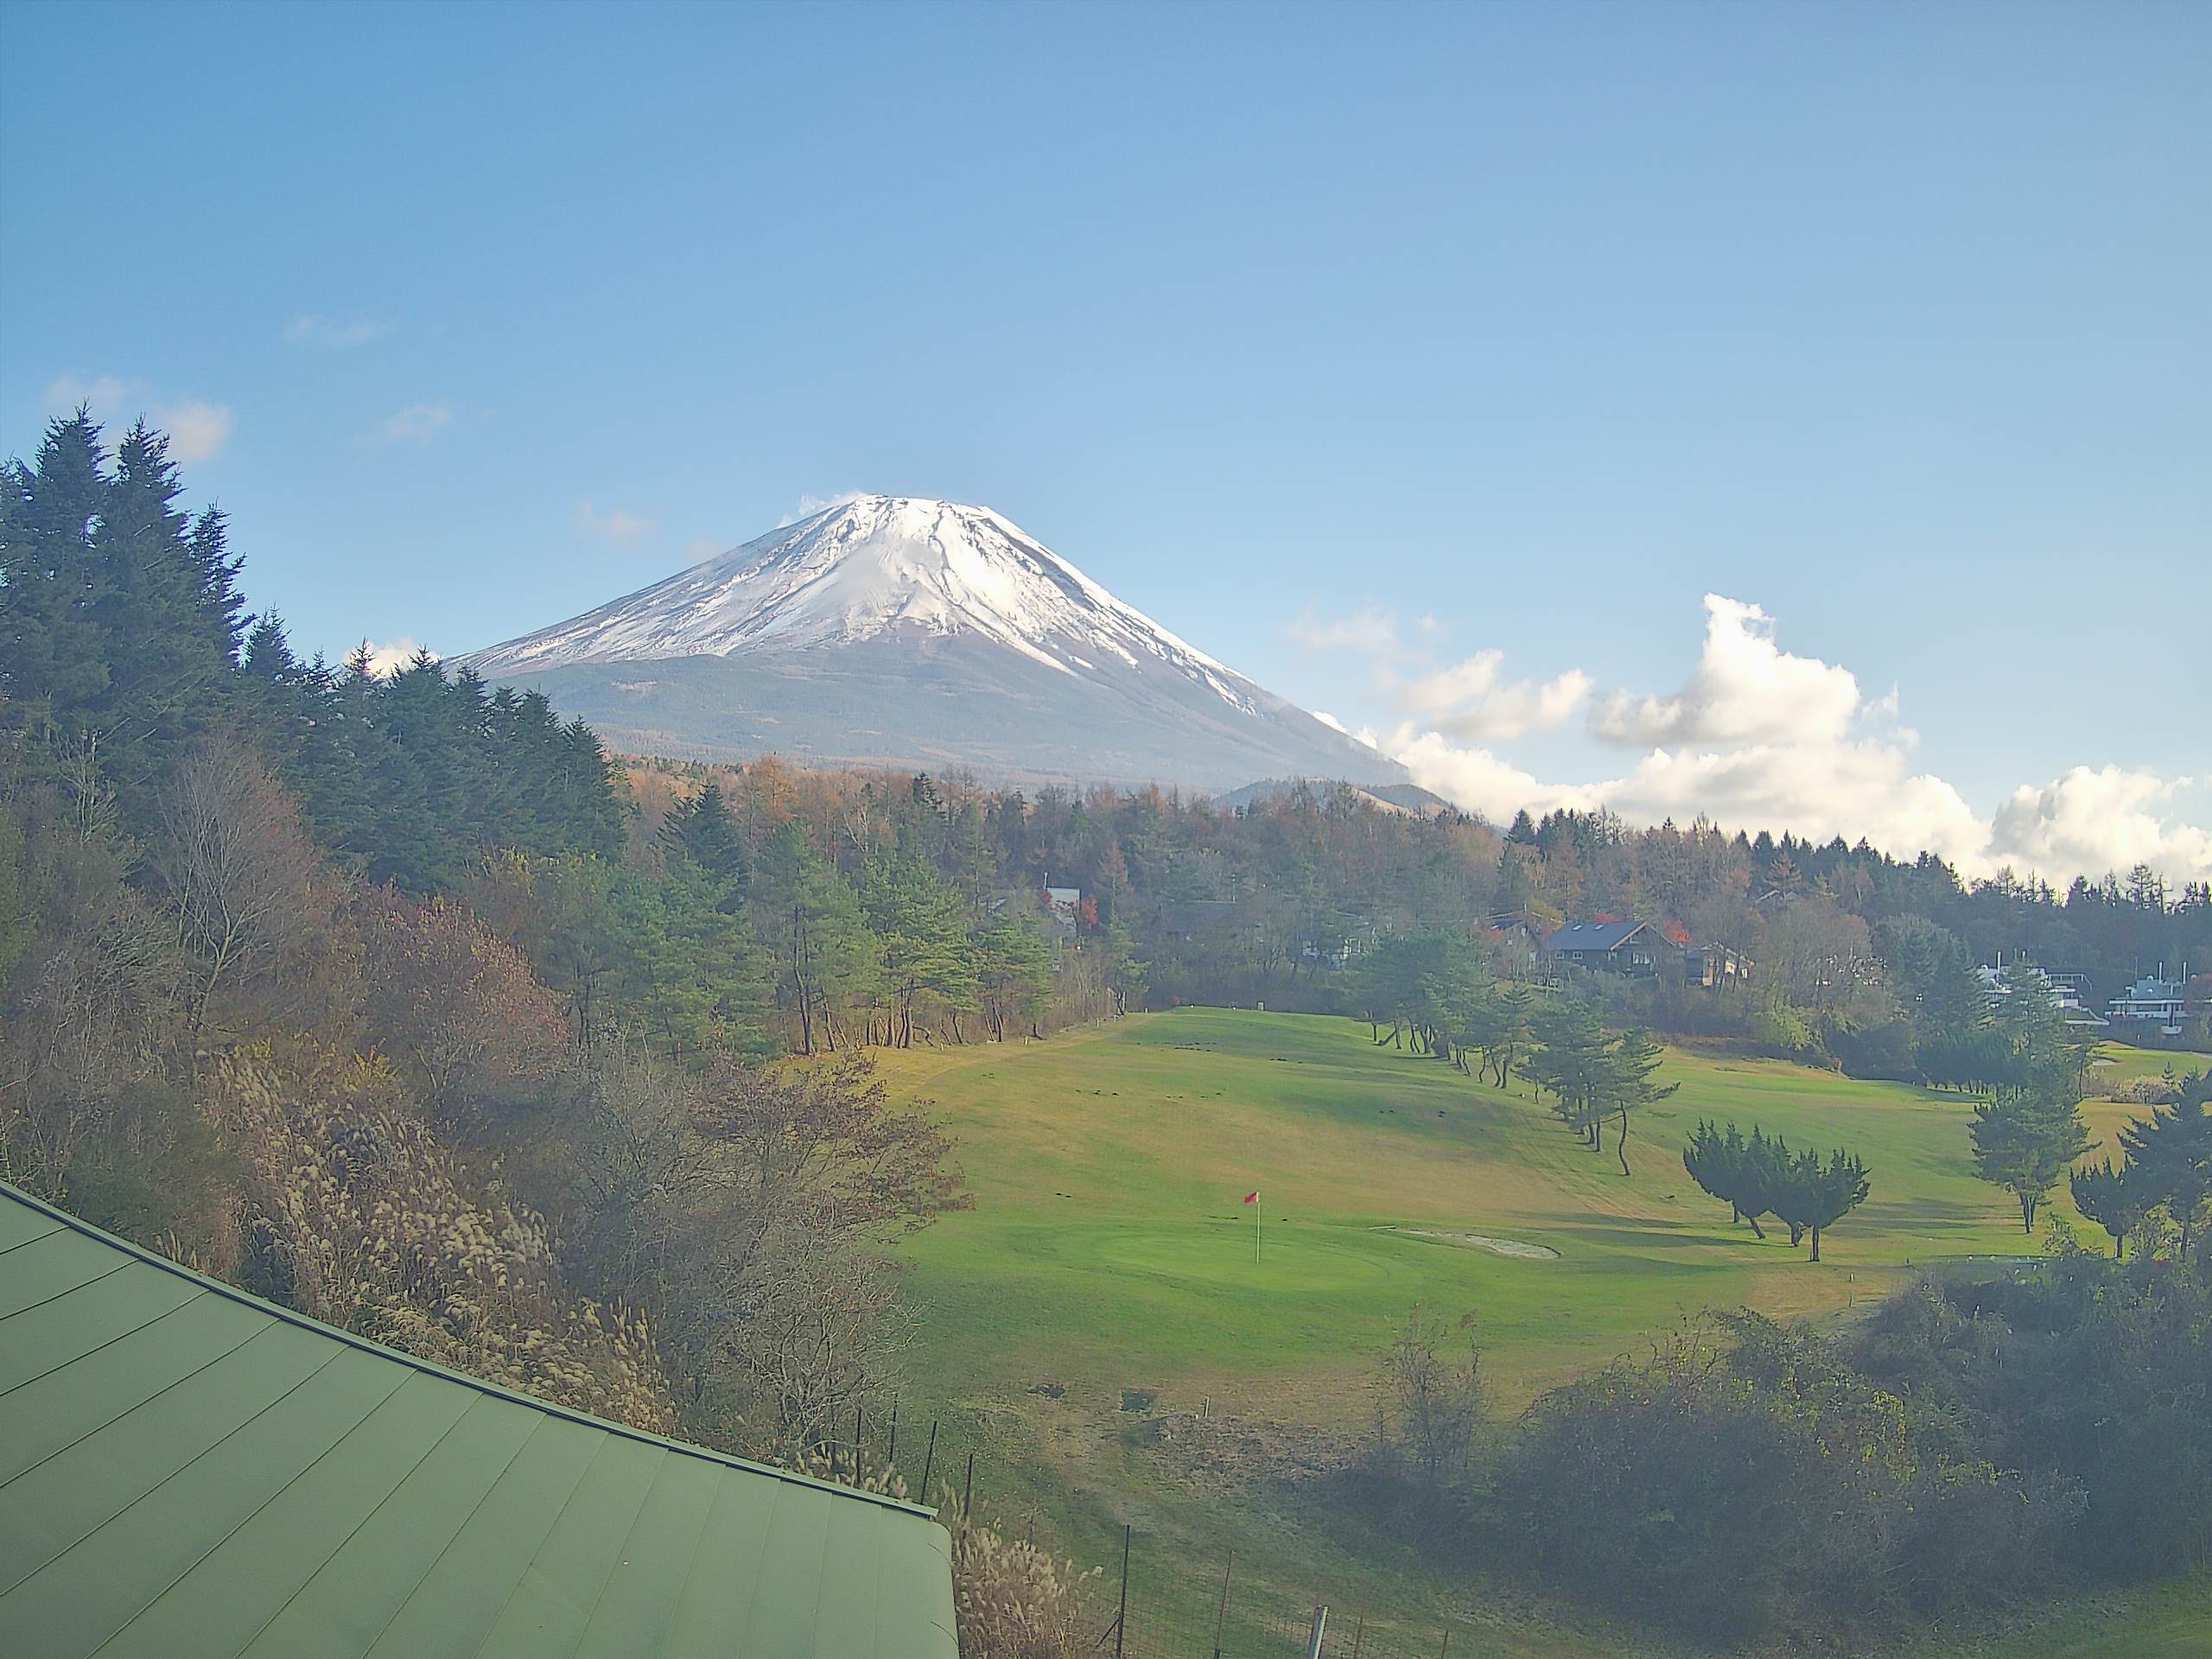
185,1469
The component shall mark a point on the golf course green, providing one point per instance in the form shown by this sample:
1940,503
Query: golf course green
1110,1250
1109,1246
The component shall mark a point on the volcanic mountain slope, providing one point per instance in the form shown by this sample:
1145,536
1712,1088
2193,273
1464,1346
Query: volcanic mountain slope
894,630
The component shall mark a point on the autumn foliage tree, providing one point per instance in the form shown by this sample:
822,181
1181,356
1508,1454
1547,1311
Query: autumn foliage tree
453,1005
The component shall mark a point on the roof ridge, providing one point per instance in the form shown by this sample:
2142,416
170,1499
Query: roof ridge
292,1317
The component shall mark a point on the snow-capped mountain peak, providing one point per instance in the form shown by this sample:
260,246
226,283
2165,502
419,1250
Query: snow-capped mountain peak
873,566
890,630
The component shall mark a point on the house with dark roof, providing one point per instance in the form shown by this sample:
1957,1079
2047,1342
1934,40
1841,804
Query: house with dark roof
186,1469
1631,948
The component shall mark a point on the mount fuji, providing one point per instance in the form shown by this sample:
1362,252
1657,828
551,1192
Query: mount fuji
894,630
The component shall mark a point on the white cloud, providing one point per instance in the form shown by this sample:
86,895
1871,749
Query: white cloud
1757,740
612,525
104,395
810,505
388,658
1744,690
307,330
1363,735
1472,699
417,423
1369,633
1481,782
2093,819
197,431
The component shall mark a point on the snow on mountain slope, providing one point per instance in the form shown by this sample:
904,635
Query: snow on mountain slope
880,564
894,630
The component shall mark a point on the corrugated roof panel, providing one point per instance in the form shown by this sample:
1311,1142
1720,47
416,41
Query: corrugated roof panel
188,1473
50,1265
60,1332
260,1563
845,1619
459,1600
20,1224
725,1573
95,1588
795,1557
641,1595
99,1477
346,1606
46,1416
562,1583
912,1576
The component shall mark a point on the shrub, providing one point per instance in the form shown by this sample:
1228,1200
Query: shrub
1782,1033
359,1217
1014,1600
1747,1483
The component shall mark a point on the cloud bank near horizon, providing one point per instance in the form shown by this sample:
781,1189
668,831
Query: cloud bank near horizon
1755,738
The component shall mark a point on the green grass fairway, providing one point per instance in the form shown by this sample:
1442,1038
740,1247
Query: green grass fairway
2115,1064
1107,1247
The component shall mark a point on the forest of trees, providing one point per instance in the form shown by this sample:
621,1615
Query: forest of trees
356,990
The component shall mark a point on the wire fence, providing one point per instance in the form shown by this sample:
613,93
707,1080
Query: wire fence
1155,1604
1160,1616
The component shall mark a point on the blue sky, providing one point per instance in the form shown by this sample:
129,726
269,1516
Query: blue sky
1350,342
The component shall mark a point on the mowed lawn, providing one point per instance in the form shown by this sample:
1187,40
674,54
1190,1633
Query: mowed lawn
2115,1064
1108,1248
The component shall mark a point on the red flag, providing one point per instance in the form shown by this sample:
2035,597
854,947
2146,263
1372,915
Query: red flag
1253,1197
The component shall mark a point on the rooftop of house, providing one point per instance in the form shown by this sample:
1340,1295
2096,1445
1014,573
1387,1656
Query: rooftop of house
185,1468
1601,937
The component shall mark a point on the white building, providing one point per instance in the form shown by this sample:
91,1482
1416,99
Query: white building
2152,1002
2066,992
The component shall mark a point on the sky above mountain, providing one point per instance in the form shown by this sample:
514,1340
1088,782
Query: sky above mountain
1802,415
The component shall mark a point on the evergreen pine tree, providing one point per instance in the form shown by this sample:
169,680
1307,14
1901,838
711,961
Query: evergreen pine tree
2113,1196
2171,1156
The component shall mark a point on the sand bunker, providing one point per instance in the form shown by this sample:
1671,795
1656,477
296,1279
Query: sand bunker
1512,1247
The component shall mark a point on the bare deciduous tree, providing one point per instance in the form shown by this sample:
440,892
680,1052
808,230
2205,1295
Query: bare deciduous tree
748,1207
252,904
454,1003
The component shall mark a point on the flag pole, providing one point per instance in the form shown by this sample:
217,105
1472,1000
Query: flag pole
1255,1229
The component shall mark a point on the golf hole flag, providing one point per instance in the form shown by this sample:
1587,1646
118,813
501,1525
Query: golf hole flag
1252,1199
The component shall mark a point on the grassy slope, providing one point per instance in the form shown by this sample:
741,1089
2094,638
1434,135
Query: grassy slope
2115,1064
1108,1248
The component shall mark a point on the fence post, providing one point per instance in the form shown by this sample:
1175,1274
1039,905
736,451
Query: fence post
1359,1631
968,1488
1121,1617
1221,1617
1445,1652
1320,1629
858,1419
928,1463
892,1456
